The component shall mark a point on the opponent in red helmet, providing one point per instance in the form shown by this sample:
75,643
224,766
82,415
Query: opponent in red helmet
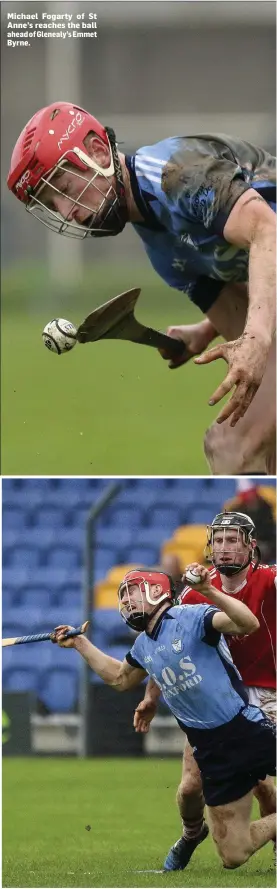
141,594
65,168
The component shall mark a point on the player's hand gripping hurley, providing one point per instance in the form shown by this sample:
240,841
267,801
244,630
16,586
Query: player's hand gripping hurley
44,637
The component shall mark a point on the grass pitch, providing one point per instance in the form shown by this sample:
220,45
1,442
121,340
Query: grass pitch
109,408
130,808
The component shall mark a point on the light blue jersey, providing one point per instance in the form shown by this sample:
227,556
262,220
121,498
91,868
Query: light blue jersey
191,663
185,189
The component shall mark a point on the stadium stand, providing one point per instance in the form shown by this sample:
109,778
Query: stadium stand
43,525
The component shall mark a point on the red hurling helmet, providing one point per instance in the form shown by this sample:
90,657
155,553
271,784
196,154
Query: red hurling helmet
136,616
52,138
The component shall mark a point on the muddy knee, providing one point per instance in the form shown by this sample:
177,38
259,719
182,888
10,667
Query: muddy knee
218,451
229,453
231,860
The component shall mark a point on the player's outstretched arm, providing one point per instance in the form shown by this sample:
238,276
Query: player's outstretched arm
251,225
119,674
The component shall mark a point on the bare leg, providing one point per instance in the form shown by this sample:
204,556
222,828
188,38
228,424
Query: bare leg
251,445
265,793
235,837
190,799
191,803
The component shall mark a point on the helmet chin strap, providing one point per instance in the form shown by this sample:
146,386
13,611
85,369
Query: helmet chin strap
139,620
230,570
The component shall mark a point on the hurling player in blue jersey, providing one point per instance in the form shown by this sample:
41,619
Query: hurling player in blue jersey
203,206
182,648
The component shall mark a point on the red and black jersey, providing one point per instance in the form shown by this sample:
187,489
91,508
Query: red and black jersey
253,655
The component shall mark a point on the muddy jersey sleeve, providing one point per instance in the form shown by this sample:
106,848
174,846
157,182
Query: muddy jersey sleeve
202,187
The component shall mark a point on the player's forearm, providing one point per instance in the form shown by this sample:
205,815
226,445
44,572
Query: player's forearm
261,317
237,611
152,692
108,668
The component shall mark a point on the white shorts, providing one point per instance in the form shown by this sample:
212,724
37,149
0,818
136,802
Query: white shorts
264,698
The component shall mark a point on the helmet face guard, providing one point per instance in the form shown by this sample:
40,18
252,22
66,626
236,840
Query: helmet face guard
242,526
135,615
110,216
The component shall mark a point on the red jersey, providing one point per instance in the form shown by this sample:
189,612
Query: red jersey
253,655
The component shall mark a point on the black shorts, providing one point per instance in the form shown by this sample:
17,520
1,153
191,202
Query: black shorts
205,292
240,756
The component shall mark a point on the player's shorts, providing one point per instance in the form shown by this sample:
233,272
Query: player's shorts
264,698
237,755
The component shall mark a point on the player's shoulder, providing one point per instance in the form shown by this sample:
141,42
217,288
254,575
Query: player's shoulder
160,151
265,574
188,611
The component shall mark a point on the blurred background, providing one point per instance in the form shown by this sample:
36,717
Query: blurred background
66,546
154,70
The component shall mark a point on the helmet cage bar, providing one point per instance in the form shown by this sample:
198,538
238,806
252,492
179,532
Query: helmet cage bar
70,228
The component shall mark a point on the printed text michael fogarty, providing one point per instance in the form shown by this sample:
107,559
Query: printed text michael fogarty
48,16
24,28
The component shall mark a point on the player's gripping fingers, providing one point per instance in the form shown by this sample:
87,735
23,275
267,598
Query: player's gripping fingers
176,361
213,354
60,633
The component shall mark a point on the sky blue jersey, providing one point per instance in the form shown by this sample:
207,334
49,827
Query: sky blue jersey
185,189
190,661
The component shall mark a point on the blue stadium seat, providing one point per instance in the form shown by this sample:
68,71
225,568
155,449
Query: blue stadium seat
69,600
58,689
143,555
13,629
21,557
142,498
49,515
70,536
20,680
106,559
202,515
33,655
24,617
10,598
115,537
36,596
59,556
56,616
150,537
15,578
65,658
126,516
55,578
13,518
166,517
108,628
30,537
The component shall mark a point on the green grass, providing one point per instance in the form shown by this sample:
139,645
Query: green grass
108,408
130,806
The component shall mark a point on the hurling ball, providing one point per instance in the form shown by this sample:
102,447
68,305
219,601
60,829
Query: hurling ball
59,336
193,577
